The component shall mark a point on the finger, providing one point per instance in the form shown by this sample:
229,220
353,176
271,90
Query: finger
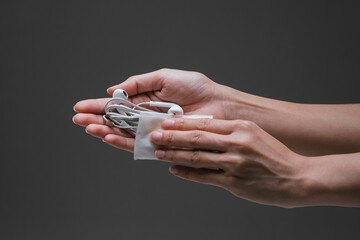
120,142
97,106
84,119
189,139
200,175
194,158
100,131
140,83
205,124
91,106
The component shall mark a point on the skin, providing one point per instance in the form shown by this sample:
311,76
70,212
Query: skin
264,150
253,165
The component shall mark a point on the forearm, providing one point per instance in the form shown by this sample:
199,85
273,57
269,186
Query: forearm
333,180
309,129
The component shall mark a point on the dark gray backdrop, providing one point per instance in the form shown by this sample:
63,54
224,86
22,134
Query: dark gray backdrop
58,183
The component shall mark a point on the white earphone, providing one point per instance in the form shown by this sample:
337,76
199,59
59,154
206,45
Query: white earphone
119,93
122,116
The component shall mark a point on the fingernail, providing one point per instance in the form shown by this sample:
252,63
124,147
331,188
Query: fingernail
168,123
174,170
73,119
108,90
86,130
156,136
159,153
103,140
74,108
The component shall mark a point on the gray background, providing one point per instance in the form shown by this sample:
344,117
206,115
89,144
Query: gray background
58,183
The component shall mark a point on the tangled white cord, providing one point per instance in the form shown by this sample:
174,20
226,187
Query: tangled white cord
127,118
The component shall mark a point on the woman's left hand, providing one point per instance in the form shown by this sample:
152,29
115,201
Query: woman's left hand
236,155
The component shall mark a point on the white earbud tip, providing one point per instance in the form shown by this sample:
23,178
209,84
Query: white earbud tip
176,110
119,93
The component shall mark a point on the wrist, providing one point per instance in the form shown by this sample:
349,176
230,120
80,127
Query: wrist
317,187
231,102
300,187
241,105
332,180
305,187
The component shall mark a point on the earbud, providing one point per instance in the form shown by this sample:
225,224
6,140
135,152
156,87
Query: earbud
119,93
173,108
176,110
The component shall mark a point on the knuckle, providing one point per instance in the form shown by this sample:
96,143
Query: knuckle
198,75
169,137
163,71
246,141
194,158
179,123
241,142
226,163
239,164
160,73
231,162
169,155
245,125
195,138
132,78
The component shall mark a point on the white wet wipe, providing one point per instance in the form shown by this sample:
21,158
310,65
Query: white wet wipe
144,149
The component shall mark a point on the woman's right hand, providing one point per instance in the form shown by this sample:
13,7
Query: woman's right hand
193,91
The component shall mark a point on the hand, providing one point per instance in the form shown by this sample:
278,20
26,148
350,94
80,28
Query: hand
193,91
235,155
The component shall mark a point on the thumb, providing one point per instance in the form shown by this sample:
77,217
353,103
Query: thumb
137,84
